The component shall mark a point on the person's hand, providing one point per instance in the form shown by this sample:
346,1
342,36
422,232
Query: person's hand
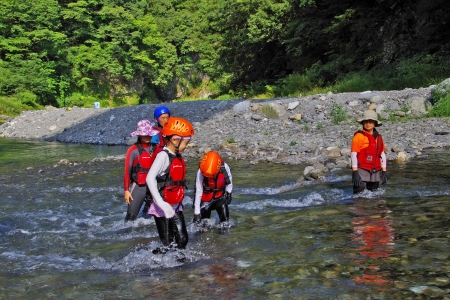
169,212
384,177
127,196
356,179
228,197
197,219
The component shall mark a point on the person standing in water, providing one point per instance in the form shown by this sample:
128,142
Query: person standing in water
368,155
166,182
161,115
213,188
137,165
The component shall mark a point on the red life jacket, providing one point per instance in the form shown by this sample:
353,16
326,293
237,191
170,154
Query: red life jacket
171,185
140,170
369,158
214,188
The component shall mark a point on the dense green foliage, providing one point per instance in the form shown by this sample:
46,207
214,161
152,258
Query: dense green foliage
441,98
76,52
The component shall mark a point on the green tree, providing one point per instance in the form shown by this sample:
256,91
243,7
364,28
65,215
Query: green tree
32,49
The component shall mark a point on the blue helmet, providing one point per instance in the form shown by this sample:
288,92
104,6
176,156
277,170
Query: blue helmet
160,110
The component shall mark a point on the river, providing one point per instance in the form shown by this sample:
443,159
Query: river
63,234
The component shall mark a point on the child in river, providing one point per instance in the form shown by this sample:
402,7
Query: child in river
166,182
368,155
213,188
137,165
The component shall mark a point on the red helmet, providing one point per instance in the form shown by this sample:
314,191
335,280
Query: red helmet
178,126
210,164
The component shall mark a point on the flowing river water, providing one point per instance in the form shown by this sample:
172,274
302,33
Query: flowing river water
63,234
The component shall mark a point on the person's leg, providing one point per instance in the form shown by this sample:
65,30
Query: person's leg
147,202
178,230
222,211
371,186
138,193
360,188
205,212
162,225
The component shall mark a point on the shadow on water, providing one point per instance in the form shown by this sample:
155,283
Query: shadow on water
63,235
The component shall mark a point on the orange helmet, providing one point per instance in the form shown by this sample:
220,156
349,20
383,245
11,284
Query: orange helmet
178,126
210,164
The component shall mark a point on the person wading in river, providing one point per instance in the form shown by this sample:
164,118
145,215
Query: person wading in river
368,157
213,187
137,165
166,181
161,116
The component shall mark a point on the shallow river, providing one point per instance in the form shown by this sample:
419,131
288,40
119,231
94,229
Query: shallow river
63,234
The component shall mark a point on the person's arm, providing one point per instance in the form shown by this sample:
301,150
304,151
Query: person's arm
198,192
158,167
354,160
357,142
229,187
127,174
383,161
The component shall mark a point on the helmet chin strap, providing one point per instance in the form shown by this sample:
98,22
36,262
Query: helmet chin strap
177,151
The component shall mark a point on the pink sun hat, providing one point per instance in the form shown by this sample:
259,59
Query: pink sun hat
144,127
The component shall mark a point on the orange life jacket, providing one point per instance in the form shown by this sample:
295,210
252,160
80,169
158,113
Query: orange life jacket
171,186
369,158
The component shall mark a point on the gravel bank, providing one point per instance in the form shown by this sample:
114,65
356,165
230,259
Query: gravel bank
302,132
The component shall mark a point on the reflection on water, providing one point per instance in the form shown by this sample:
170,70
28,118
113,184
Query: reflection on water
374,236
63,235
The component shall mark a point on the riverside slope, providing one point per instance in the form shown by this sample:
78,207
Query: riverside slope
302,134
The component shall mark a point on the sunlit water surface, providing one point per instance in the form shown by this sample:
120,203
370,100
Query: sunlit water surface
63,234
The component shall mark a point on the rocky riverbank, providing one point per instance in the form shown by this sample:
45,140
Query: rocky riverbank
297,131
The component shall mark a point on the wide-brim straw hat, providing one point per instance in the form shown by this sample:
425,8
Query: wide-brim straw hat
145,128
370,115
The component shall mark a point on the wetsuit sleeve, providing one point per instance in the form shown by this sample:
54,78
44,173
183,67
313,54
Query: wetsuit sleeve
229,187
354,159
383,160
198,192
158,167
127,170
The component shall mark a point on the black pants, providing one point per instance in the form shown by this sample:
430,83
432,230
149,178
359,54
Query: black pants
371,186
220,205
172,230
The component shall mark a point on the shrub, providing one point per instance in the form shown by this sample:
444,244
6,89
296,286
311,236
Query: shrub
338,114
441,107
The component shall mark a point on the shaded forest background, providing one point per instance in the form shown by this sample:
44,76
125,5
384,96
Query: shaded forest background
128,52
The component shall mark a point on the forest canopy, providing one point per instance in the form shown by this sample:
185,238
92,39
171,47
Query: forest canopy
118,52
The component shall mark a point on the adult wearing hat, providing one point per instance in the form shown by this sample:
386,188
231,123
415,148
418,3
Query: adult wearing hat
368,155
137,165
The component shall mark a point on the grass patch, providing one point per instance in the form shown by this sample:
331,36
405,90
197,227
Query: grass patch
338,114
269,111
441,107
